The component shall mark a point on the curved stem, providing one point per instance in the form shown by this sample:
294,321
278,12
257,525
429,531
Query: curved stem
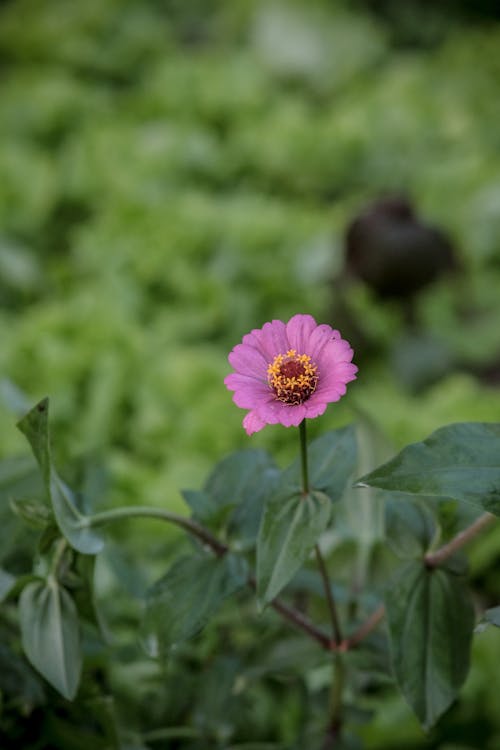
141,511
433,559
60,549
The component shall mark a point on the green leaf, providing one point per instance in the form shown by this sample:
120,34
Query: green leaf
237,476
234,495
181,602
331,458
431,620
50,634
459,462
411,526
290,527
72,523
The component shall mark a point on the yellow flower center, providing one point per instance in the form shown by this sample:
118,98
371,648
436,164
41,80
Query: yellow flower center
293,377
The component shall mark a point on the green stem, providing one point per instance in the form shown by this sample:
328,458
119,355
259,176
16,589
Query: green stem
303,456
337,689
141,511
334,619
60,549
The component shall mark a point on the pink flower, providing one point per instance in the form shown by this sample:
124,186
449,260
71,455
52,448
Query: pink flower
285,372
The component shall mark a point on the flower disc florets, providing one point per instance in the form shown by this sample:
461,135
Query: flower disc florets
286,372
293,377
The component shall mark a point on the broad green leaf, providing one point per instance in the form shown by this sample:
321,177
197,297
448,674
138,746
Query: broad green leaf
431,620
291,525
332,458
460,461
71,522
411,526
50,634
180,603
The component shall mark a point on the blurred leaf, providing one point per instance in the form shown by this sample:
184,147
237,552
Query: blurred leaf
70,521
7,581
238,477
34,514
180,603
291,525
459,461
50,635
431,619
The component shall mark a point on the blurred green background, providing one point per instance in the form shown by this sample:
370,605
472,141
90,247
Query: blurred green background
174,173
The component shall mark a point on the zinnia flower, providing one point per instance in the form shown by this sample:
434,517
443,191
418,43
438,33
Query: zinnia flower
286,372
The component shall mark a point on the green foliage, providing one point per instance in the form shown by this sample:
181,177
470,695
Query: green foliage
182,601
431,619
51,634
291,525
70,521
173,174
458,462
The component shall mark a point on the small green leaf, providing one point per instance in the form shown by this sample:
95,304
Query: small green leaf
332,459
180,603
458,462
411,526
431,621
50,634
71,522
290,527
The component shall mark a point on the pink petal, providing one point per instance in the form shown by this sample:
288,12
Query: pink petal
252,423
315,408
273,339
319,338
298,331
248,361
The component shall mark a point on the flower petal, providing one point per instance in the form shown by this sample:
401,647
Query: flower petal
273,339
252,423
250,360
298,330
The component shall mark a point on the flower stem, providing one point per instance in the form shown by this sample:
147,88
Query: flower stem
336,644
303,456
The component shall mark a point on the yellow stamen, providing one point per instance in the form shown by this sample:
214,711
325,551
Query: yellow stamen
293,377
